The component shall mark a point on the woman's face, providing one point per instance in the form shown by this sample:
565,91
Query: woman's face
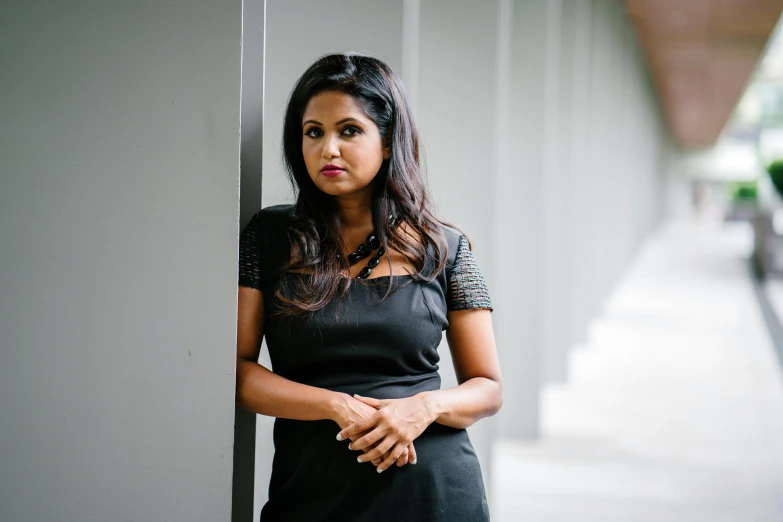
342,147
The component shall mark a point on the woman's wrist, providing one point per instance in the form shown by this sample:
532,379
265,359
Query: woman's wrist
336,405
433,404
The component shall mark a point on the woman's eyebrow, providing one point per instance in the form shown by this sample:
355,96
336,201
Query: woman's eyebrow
344,120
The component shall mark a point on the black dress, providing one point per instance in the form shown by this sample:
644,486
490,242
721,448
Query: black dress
382,349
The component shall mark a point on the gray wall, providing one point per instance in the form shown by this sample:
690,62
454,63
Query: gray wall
581,187
521,196
119,151
457,118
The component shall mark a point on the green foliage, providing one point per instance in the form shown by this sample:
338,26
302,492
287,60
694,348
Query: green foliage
743,191
775,170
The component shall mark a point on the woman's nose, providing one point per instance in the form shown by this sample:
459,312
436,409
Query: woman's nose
331,147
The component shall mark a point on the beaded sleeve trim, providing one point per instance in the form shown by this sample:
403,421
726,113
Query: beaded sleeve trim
250,254
467,288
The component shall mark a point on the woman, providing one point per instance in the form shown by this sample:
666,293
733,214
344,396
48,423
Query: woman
352,287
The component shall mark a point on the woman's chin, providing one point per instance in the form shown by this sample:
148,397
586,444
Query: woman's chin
335,188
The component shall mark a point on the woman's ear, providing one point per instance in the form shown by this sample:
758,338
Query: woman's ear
386,153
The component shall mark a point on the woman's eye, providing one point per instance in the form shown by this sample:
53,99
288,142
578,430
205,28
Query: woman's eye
351,131
313,132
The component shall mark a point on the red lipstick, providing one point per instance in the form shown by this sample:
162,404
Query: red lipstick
331,171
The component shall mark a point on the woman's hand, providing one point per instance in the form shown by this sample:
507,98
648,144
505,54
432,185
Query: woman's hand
348,411
389,431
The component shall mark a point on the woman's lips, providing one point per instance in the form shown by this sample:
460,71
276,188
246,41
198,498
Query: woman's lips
331,171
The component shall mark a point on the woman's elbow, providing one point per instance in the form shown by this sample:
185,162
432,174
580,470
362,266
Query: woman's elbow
497,397
239,385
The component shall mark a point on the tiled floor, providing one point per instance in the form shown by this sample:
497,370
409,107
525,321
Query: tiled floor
674,410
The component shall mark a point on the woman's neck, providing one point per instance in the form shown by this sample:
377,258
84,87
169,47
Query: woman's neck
355,213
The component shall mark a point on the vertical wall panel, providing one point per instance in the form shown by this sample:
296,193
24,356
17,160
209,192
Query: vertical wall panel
119,178
458,114
253,448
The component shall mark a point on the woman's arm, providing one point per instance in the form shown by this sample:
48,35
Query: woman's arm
262,391
480,393
474,355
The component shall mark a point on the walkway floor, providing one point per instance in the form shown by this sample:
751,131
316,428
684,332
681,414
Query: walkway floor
673,411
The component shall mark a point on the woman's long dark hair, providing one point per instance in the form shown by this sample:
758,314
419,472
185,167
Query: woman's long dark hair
317,271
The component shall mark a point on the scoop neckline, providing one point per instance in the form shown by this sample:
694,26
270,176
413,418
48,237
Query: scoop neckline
387,277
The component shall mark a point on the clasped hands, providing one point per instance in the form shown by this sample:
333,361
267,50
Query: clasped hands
385,432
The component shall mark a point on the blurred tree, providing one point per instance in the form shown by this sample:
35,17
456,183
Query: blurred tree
775,170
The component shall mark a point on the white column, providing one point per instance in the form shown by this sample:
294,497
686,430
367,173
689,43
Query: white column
119,207
459,108
568,168
621,173
409,62
555,265
520,222
601,92
617,131
253,448
579,243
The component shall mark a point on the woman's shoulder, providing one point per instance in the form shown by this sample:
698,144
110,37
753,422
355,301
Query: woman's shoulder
270,219
466,285
451,232
269,225
455,239
265,237
276,211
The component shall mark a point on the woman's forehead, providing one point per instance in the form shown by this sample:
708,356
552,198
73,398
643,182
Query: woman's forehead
333,106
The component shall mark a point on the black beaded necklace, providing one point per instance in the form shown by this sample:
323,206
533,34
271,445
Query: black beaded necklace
365,249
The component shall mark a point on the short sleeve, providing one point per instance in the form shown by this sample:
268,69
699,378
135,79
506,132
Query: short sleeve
250,254
467,288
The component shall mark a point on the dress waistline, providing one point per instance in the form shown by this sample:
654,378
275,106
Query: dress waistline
392,388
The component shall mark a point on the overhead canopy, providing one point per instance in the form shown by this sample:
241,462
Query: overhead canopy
702,54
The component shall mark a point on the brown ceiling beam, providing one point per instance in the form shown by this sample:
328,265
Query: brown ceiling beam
702,54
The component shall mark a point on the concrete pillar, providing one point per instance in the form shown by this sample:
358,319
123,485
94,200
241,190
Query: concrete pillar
565,334
119,215
599,229
253,448
579,240
458,117
519,195
623,174
616,118
555,266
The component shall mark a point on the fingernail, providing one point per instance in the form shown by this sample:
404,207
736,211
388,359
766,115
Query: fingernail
339,437
359,459
414,461
349,446
380,470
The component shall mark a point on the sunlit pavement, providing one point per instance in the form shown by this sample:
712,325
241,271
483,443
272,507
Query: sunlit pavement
674,408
